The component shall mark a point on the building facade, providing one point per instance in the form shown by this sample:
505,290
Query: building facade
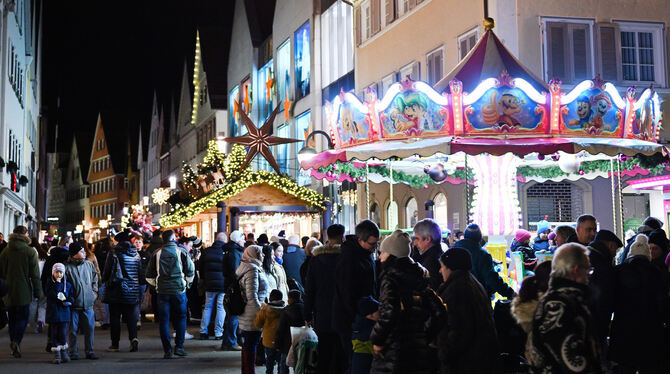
77,208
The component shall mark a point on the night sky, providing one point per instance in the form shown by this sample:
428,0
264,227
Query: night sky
108,57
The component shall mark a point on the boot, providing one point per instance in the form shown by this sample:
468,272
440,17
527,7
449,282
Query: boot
64,357
57,358
245,362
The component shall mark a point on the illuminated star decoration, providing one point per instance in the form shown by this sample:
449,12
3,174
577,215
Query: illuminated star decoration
287,106
268,86
260,140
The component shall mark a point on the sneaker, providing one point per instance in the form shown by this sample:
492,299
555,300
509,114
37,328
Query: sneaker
134,345
64,356
91,356
218,337
167,355
180,352
16,350
40,327
204,337
233,348
113,348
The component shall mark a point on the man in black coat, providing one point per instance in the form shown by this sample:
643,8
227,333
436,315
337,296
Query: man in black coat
319,293
601,283
427,239
231,260
211,274
354,278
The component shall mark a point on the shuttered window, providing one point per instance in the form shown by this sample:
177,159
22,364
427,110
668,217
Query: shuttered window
466,42
375,17
434,65
357,21
389,11
569,54
412,70
367,20
608,52
387,81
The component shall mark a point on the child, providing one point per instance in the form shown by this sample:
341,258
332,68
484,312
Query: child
521,244
363,352
291,316
268,319
59,299
542,240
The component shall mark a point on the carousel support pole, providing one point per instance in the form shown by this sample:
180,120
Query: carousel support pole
429,208
367,190
467,193
234,219
393,211
614,225
618,166
221,217
326,218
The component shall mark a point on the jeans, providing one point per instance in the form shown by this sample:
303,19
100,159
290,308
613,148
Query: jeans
213,298
138,307
38,310
128,311
85,317
18,320
172,307
230,331
273,356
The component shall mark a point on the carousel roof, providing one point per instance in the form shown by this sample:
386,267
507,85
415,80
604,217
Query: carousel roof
486,60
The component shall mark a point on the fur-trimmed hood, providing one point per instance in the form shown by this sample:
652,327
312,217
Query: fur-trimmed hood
19,237
328,248
523,312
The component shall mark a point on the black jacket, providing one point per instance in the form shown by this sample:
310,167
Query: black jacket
56,255
431,261
468,344
145,256
562,339
601,288
354,278
406,306
156,243
212,267
637,335
304,268
126,291
483,270
291,316
320,288
231,261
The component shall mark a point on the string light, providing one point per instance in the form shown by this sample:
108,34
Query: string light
196,80
160,195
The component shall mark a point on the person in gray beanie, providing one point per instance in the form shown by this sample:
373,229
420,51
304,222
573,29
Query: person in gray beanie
401,335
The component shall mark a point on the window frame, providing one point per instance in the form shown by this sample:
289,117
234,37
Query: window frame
656,29
591,23
409,67
465,36
392,77
441,51
366,25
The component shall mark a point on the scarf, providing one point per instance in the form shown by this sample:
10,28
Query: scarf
252,254
280,261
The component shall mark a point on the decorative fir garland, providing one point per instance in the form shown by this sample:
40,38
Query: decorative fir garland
586,167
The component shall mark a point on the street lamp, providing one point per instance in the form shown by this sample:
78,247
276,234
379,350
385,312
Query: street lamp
221,142
125,210
307,152
103,223
173,182
145,200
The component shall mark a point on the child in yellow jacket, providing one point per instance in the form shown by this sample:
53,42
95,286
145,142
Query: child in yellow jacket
268,319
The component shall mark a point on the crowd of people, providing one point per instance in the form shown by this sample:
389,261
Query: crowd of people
400,304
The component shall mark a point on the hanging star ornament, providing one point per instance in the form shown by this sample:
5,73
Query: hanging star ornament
260,140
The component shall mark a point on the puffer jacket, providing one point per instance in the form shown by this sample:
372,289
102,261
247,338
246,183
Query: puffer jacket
56,310
254,287
268,320
407,305
469,343
176,270
127,291
602,292
231,259
20,269
212,267
282,284
56,255
84,280
319,286
483,270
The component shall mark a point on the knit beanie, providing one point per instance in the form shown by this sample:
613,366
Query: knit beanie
457,258
58,267
74,249
653,222
123,236
543,226
659,238
473,232
522,236
640,247
397,244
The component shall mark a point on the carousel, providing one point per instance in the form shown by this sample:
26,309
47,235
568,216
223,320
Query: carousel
489,126
225,194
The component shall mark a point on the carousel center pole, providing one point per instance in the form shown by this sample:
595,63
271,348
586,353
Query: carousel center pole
394,213
495,205
367,189
620,194
614,225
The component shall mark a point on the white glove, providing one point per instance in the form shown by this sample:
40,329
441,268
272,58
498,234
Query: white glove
61,296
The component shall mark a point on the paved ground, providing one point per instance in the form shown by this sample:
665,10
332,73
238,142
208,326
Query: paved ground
203,356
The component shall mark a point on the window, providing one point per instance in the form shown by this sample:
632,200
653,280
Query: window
233,101
265,103
412,70
642,53
391,215
337,47
466,42
388,11
283,71
569,56
411,213
559,201
367,20
301,40
246,100
301,131
403,7
387,81
440,210
435,65
375,215
282,149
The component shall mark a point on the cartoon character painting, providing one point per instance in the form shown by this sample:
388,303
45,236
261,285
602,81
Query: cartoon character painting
601,104
351,128
408,114
592,113
501,114
583,113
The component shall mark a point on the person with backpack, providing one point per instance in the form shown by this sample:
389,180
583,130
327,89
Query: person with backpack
231,261
122,289
212,275
171,272
252,281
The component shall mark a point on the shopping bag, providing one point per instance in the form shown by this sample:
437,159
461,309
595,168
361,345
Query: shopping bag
302,355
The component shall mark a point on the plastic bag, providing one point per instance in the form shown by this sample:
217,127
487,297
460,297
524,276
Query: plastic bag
302,356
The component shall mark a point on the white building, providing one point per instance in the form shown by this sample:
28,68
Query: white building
76,210
20,91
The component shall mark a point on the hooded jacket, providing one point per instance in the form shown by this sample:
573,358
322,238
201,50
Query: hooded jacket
20,269
127,291
523,312
294,257
56,255
212,267
268,320
170,270
483,270
82,276
320,287
232,258
254,288
291,316
57,311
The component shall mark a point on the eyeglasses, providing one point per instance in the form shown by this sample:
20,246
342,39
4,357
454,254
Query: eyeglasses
373,245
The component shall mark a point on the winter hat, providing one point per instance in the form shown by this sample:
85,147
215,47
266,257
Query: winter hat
608,236
58,267
644,229
74,249
472,232
335,230
397,244
262,239
252,255
457,258
197,242
367,305
282,234
640,247
543,226
659,238
551,236
123,236
522,236
653,222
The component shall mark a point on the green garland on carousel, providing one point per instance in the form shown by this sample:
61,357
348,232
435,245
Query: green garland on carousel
587,167
415,181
